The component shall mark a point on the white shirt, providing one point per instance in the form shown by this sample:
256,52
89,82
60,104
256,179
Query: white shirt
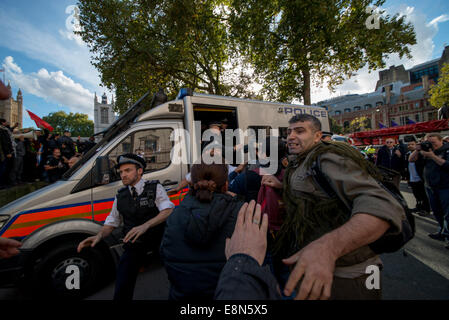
162,202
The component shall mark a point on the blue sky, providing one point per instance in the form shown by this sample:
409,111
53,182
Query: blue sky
52,67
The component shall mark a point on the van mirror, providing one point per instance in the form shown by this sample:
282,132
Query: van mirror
102,171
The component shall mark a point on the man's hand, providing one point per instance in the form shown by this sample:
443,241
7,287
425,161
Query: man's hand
315,264
271,181
89,242
398,153
9,247
428,154
135,233
250,236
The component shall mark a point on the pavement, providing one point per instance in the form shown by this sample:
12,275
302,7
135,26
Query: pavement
420,271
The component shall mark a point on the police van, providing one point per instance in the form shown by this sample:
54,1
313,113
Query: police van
51,221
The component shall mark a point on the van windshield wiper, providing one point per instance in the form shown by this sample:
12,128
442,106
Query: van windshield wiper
115,128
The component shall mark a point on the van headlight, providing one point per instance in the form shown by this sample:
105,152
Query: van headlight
3,220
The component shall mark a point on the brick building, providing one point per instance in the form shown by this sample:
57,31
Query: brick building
12,109
400,97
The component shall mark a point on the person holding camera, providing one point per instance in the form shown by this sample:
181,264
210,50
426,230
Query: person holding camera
436,178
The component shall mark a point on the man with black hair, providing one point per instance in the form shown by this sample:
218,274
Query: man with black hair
54,166
143,206
331,241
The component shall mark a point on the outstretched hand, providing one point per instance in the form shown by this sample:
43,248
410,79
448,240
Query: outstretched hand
9,247
250,233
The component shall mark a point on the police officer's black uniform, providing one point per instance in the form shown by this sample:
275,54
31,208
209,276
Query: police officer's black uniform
135,210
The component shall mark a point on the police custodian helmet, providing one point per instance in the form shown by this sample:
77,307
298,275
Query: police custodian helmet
130,158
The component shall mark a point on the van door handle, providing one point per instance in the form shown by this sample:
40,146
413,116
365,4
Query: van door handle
169,183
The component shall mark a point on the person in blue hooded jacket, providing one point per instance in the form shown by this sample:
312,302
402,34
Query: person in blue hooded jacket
193,245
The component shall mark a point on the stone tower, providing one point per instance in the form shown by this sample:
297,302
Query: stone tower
12,110
103,113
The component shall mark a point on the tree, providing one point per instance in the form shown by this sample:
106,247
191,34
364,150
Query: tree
77,123
141,45
335,127
359,124
439,93
294,43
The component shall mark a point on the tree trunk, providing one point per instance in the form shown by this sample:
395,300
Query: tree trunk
306,86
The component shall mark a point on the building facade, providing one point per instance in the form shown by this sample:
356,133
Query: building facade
12,109
104,114
401,97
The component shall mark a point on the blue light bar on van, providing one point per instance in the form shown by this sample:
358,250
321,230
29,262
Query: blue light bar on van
184,92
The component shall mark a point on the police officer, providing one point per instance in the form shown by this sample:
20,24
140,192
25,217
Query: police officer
144,206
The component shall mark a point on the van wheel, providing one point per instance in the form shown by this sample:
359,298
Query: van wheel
62,272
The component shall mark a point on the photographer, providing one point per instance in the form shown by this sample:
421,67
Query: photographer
436,178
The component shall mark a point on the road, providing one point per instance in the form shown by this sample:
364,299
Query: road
420,271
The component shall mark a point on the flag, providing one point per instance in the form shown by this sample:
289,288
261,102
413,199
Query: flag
381,126
39,122
410,121
393,124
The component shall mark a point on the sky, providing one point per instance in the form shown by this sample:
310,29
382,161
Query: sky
41,55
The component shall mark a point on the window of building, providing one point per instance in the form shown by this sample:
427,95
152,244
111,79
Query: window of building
416,105
347,110
368,106
337,113
104,119
417,117
379,103
357,108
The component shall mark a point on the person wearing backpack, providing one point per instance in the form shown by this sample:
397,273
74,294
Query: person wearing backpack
328,246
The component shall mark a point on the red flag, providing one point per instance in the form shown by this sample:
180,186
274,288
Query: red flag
39,122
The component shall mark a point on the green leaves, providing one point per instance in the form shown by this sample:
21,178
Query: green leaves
226,46
439,93
293,43
77,123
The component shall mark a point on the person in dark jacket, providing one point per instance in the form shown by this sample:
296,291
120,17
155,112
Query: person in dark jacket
390,157
193,245
436,178
416,180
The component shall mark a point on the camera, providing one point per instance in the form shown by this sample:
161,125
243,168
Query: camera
426,146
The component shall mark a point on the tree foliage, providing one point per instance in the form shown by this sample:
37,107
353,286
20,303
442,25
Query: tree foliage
294,43
439,93
335,127
225,47
77,123
141,45
359,124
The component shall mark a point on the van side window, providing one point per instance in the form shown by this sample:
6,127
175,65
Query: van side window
257,128
153,145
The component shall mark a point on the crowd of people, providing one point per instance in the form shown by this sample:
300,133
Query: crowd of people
314,247
299,240
42,156
424,165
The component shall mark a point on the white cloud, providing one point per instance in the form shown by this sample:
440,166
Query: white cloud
365,82
442,18
62,50
54,87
